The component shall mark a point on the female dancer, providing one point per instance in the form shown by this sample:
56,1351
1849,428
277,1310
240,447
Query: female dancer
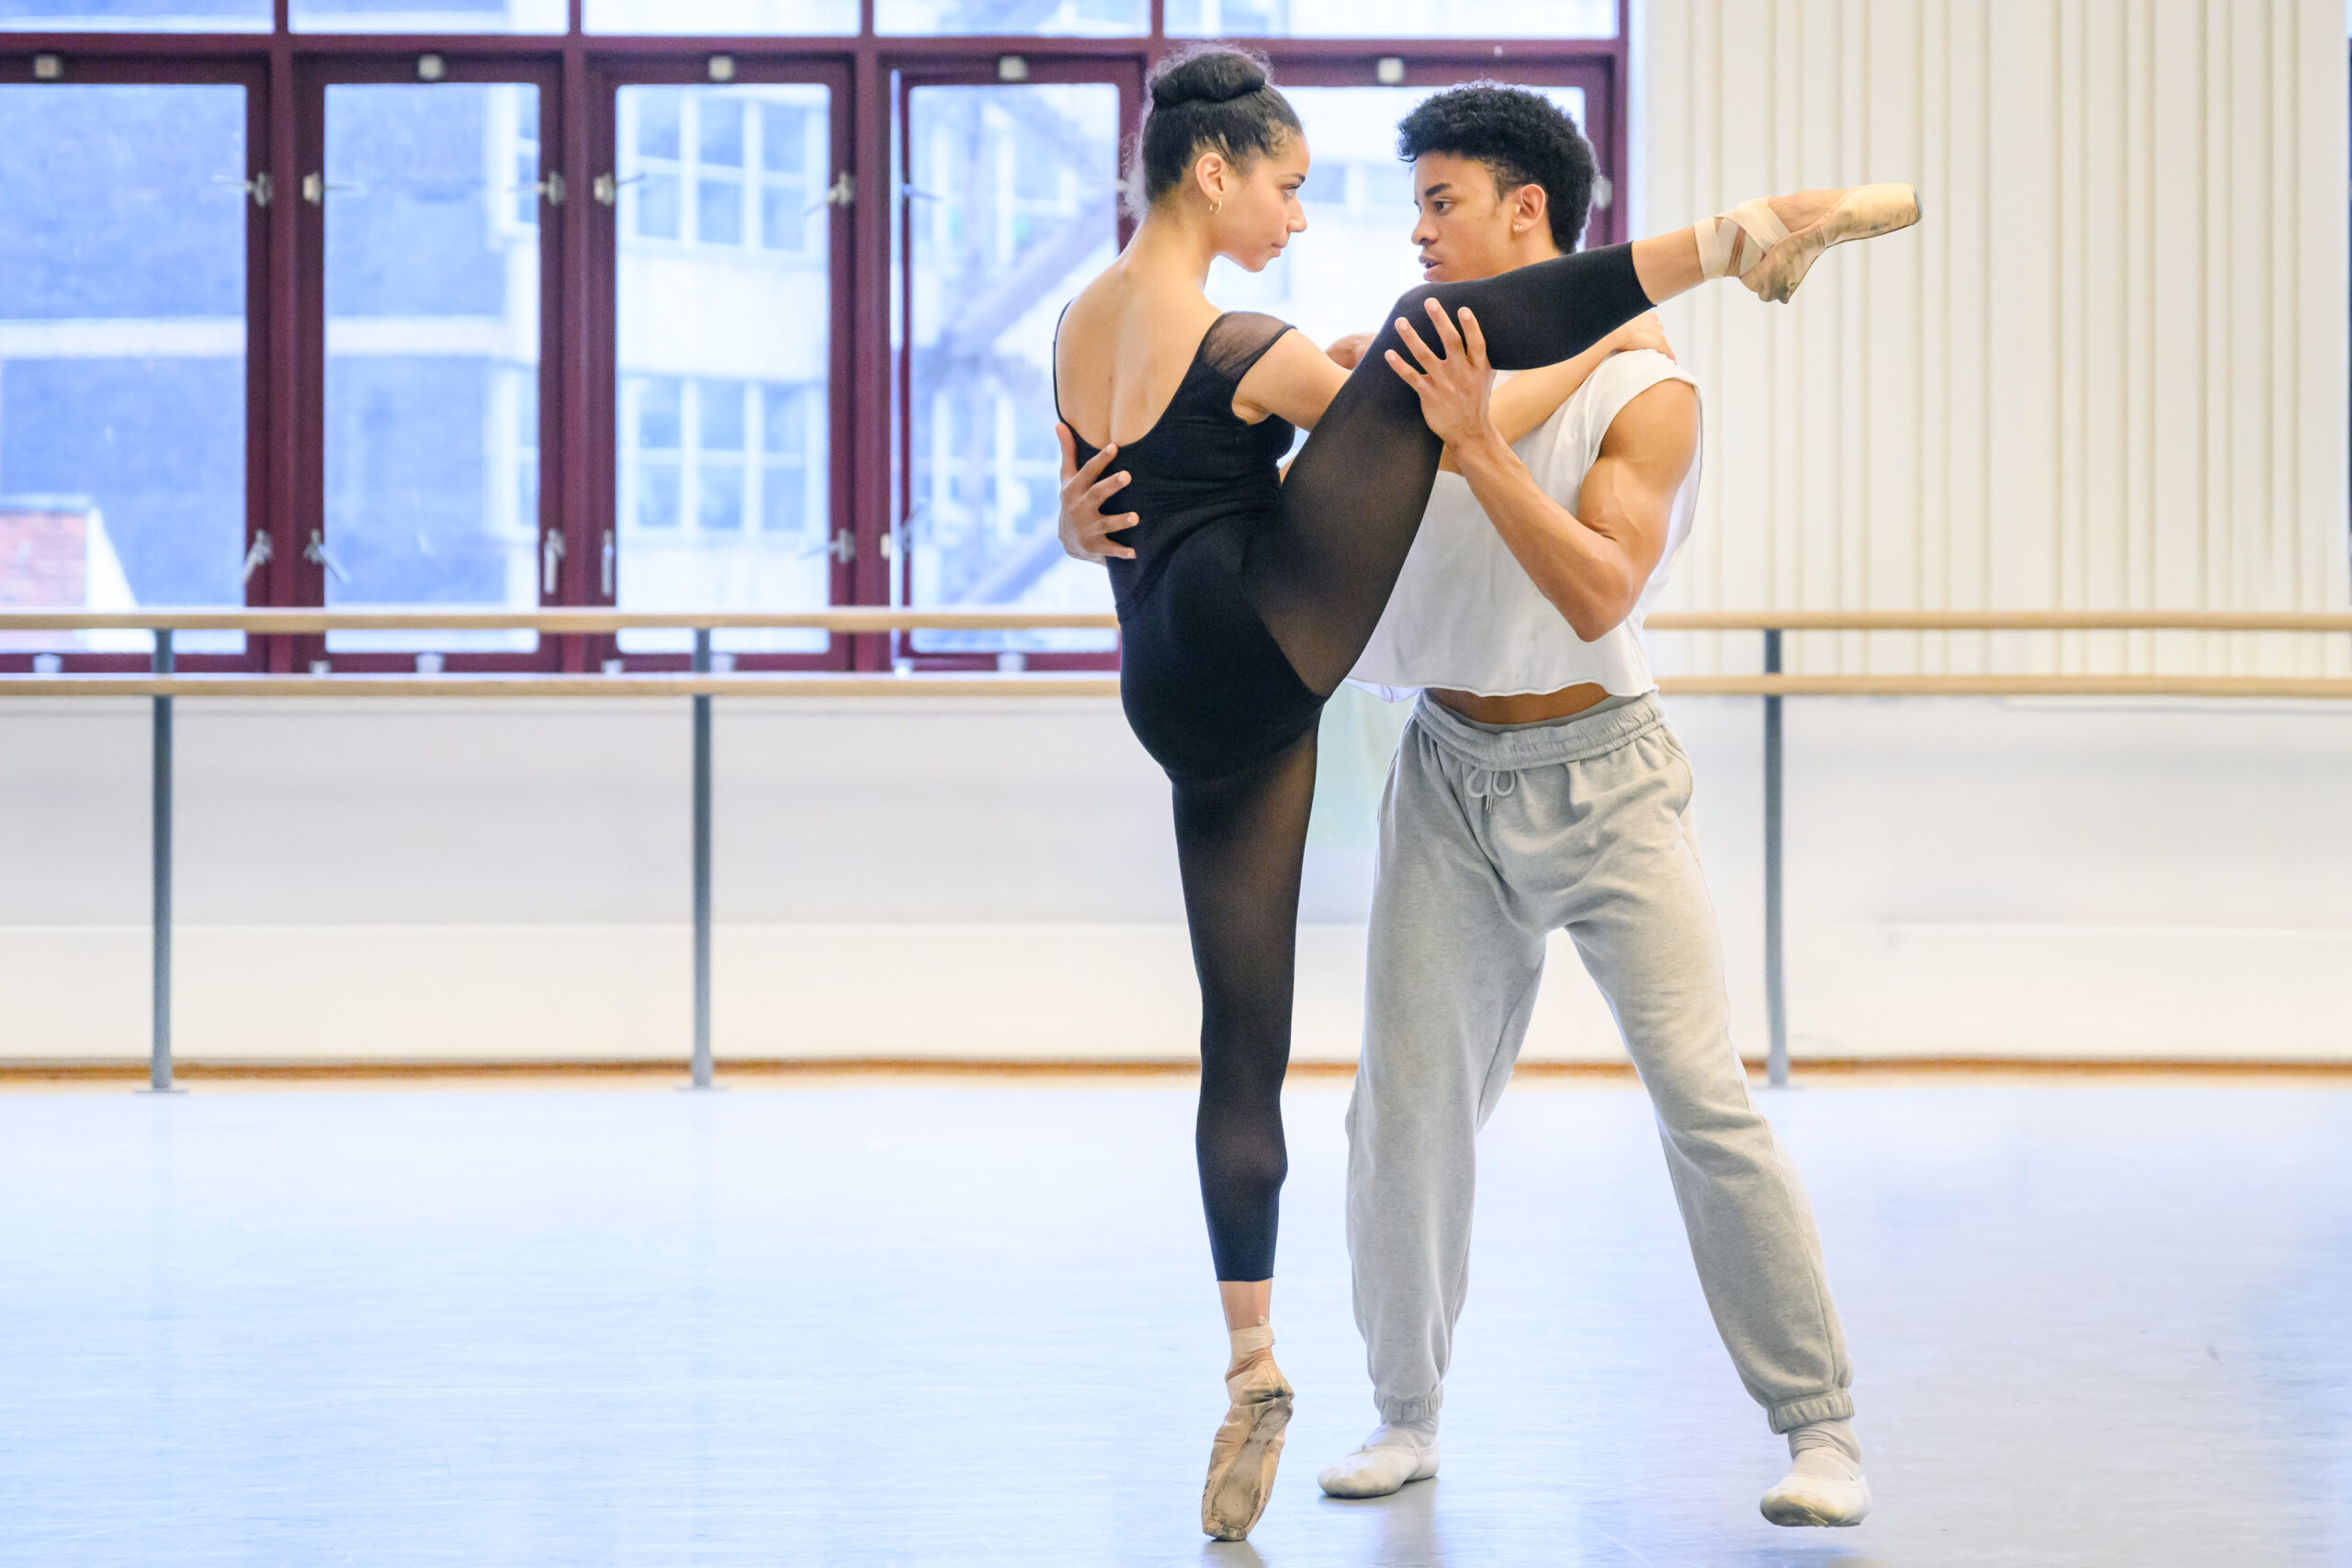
1247,595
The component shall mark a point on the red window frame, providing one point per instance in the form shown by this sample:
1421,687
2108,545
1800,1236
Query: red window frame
588,528
1127,75
294,573
578,75
199,66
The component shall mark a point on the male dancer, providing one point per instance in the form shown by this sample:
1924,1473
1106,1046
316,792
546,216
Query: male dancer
1537,787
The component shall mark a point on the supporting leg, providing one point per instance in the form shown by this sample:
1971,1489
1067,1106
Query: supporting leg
1452,969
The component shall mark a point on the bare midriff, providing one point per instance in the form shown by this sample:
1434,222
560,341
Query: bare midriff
1526,707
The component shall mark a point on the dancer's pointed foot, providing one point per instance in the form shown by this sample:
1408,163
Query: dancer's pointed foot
1248,1447
1861,213
1394,1456
1825,1484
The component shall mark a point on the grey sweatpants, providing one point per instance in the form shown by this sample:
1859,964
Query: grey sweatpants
1490,839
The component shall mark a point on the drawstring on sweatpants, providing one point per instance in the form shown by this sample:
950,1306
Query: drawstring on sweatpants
1480,783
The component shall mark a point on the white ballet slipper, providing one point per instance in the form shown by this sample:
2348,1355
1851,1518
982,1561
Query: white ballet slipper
1825,1484
1862,213
1247,1446
1390,1460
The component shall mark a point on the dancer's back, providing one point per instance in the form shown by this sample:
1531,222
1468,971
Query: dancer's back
1196,452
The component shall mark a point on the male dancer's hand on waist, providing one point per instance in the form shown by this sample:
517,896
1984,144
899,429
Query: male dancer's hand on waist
1084,527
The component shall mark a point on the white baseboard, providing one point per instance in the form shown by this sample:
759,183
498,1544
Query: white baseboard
1965,988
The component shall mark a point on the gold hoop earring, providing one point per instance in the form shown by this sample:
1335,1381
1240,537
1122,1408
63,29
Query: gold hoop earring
1216,207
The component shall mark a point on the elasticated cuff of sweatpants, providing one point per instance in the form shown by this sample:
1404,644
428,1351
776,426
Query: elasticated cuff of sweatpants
1398,1412
1831,1406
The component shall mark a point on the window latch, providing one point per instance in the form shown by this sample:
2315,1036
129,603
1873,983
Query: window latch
257,556
552,188
608,189
608,555
315,188
550,557
261,187
843,192
844,546
315,552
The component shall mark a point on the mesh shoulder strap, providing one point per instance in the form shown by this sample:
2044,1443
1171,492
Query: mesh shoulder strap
1239,340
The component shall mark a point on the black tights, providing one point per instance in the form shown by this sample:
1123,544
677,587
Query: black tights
1318,575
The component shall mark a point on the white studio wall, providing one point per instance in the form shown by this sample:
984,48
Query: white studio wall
2107,372
466,880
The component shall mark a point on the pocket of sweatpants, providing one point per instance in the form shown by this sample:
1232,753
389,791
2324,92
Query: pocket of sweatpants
1684,782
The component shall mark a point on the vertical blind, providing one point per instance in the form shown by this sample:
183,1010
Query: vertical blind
2108,371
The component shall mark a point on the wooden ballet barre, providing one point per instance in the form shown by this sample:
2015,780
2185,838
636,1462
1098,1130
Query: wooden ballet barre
818,683
587,623
576,623
796,683
2314,686
1999,621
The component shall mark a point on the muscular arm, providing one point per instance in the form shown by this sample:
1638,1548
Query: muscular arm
1592,563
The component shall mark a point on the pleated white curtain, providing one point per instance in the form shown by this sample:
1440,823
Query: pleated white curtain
2107,372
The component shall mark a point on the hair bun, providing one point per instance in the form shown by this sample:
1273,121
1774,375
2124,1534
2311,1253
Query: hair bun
1212,76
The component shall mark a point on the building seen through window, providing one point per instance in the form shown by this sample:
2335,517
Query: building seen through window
122,349
432,352
1013,200
725,327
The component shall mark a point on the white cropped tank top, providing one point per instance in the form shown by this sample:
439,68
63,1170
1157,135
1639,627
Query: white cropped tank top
1466,617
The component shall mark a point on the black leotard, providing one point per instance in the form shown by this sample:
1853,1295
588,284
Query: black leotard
1206,686
1249,598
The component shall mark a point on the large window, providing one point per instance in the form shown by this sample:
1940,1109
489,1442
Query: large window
1011,197
725,333
655,304
159,16
429,16
122,350
432,264
1393,18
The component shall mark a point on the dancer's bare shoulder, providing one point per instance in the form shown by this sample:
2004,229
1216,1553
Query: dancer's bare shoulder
1124,346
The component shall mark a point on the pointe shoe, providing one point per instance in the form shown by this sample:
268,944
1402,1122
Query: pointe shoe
1862,213
1249,1445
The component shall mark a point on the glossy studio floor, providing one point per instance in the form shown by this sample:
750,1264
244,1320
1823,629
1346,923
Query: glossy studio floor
893,1322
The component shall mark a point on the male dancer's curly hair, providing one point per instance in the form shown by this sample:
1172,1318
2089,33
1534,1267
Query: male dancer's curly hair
1521,138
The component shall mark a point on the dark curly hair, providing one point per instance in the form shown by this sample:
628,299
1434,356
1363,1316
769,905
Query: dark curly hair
1521,138
1211,98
